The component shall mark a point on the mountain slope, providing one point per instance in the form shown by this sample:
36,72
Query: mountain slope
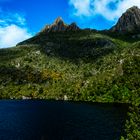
83,65
64,60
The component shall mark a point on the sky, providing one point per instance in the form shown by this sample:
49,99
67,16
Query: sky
22,19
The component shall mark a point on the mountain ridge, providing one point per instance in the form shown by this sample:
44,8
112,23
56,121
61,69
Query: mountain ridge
125,25
59,25
128,22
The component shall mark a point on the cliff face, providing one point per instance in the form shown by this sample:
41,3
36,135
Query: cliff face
128,22
59,25
73,27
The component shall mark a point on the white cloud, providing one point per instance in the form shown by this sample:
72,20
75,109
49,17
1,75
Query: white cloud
82,7
101,7
11,35
12,29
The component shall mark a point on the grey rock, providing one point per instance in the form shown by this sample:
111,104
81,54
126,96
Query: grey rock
128,22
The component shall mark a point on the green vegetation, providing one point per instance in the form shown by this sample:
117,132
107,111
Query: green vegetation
82,65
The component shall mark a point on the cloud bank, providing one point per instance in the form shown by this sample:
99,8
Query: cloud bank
109,9
13,29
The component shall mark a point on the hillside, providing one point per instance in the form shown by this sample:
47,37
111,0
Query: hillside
82,65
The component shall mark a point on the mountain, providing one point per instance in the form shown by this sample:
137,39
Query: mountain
129,22
64,62
82,65
59,25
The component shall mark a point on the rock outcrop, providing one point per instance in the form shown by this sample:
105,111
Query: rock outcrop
73,27
129,22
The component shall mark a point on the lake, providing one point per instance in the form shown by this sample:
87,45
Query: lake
59,120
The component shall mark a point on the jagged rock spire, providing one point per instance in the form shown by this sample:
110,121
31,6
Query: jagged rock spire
58,20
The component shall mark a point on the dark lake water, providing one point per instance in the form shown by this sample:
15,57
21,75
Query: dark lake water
59,120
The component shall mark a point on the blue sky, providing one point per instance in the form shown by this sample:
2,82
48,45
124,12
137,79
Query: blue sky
21,19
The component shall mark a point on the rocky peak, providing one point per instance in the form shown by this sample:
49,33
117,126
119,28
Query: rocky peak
133,9
59,25
59,20
129,21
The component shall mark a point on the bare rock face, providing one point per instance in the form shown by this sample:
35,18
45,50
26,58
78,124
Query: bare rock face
59,25
129,22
